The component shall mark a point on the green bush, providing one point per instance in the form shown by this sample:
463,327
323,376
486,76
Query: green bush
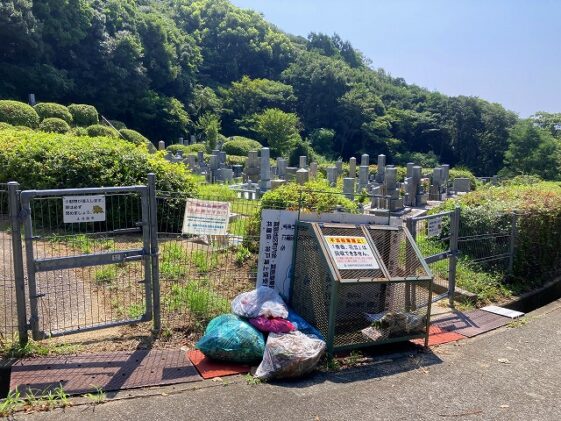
5,126
134,137
241,146
187,149
18,114
52,110
83,115
79,131
46,160
538,206
460,172
301,149
119,125
54,125
100,130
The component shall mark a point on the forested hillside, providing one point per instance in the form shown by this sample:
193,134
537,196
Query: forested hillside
172,67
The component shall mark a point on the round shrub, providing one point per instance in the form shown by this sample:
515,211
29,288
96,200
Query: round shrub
79,131
54,125
100,130
241,146
83,115
52,110
119,125
5,126
133,136
18,114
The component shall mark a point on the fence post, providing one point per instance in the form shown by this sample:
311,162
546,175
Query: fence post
512,248
154,252
453,260
410,296
17,259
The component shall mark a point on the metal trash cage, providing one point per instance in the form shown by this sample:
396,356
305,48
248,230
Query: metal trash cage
387,302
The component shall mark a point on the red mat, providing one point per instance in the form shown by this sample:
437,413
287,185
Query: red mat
110,371
438,336
209,369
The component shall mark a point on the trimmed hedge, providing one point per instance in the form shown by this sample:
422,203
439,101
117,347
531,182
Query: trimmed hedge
187,149
133,136
18,114
54,125
84,115
53,110
100,130
241,146
40,160
119,125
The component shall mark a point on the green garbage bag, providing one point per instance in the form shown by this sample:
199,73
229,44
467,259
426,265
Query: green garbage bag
230,338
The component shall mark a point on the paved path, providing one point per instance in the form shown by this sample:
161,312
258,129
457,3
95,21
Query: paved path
509,374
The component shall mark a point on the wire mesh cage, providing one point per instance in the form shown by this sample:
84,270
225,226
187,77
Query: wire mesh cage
361,285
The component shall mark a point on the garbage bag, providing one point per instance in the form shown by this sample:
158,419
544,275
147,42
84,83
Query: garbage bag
302,325
274,324
290,355
230,338
394,325
263,301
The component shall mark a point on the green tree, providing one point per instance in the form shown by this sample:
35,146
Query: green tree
209,127
532,150
277,129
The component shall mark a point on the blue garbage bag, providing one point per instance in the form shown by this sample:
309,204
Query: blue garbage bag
230,338
302,325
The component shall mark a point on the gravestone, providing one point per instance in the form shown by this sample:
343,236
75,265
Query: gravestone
276,183
193,139
251,169
339,168
302,162
302,176
281,168
313,170
291,173
332,175
380,173
265,170
365,160
363,173
352,167
462,185
181,141
238,170
410,166
349,187
161,145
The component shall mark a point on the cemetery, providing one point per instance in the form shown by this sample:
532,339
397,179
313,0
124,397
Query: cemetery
192,197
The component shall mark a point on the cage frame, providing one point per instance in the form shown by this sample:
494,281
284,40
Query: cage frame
336,279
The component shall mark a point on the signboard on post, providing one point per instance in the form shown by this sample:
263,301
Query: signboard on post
83,209
205,217
351,252
434,227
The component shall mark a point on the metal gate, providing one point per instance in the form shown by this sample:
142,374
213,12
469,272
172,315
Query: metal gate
89,257
437,238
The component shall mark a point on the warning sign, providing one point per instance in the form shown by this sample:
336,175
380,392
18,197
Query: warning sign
83,209
204,217
434,227
351,252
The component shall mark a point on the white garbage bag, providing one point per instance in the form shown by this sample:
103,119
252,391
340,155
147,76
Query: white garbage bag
290,355
263,301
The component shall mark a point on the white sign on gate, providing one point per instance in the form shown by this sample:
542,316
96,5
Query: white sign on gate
83,209
351,252
205,217
434,227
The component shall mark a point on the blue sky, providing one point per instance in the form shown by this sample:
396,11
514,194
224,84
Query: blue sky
505,51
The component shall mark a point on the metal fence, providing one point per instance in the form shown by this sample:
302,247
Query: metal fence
8,311
71,286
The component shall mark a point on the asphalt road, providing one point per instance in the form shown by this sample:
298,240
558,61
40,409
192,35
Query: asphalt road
509,374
